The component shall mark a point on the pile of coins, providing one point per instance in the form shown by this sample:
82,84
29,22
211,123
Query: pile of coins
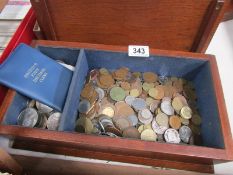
38,115
138,105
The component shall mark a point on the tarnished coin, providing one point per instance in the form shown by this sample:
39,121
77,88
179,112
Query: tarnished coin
186,112
162,79
117,94
157,92
31,103
113,130
154,105
175,122
123,109
134,92
140,128
133,119
185,134
149,100
167,108
139,104
131,132
158,129
184,121
122,123
103,71
43,108
28,118
129,100
150,77
172,136
43,121
53,121
196,119
162,119
106,80
100,92
121,73
148,135
84,106
80,124
195,129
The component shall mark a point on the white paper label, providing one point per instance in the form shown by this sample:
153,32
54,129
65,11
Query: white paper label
138,51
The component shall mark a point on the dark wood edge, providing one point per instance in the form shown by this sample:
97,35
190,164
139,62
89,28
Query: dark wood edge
8,164
39,147
209,25
228,12
44,17
225,124
7,101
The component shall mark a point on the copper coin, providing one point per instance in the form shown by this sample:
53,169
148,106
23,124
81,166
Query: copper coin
157,92
150,77
122,123
125,85
87,91
131,132
123,109
175,122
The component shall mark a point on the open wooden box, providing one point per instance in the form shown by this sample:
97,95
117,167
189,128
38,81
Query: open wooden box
116,23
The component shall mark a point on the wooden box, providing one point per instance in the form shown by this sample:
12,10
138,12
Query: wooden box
173,25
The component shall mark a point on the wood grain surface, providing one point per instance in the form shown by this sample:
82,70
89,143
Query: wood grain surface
184,25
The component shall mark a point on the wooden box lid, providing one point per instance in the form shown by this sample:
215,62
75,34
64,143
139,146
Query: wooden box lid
184,25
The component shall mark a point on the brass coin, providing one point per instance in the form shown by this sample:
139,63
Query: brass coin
175,122
134,93
121,73
177,103
125,85
148,135
157,92
147,86
147,126
106,80
168,91
178,84
103,71
196,119
184,121
108,111
150,77
186,112
117,94
87,91
162,119
140,128
149,101
131,132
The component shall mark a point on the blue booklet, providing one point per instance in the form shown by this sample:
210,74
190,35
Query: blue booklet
37,76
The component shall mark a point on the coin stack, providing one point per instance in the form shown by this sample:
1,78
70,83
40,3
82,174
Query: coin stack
38,115
137,105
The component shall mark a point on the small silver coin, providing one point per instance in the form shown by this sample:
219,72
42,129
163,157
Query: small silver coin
53,121
43,108
28,117
129,100
172,136
163,79
133,119
158,129
84,106
167,108
100,92
139,104
185,133
145,117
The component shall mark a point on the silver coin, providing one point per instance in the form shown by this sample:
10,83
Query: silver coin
172,136
43,108
53,121
167,108
133,119
185,133
145,117
166,99
139,104
84,106
28,118
158,129
163,79
129,100
100,92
